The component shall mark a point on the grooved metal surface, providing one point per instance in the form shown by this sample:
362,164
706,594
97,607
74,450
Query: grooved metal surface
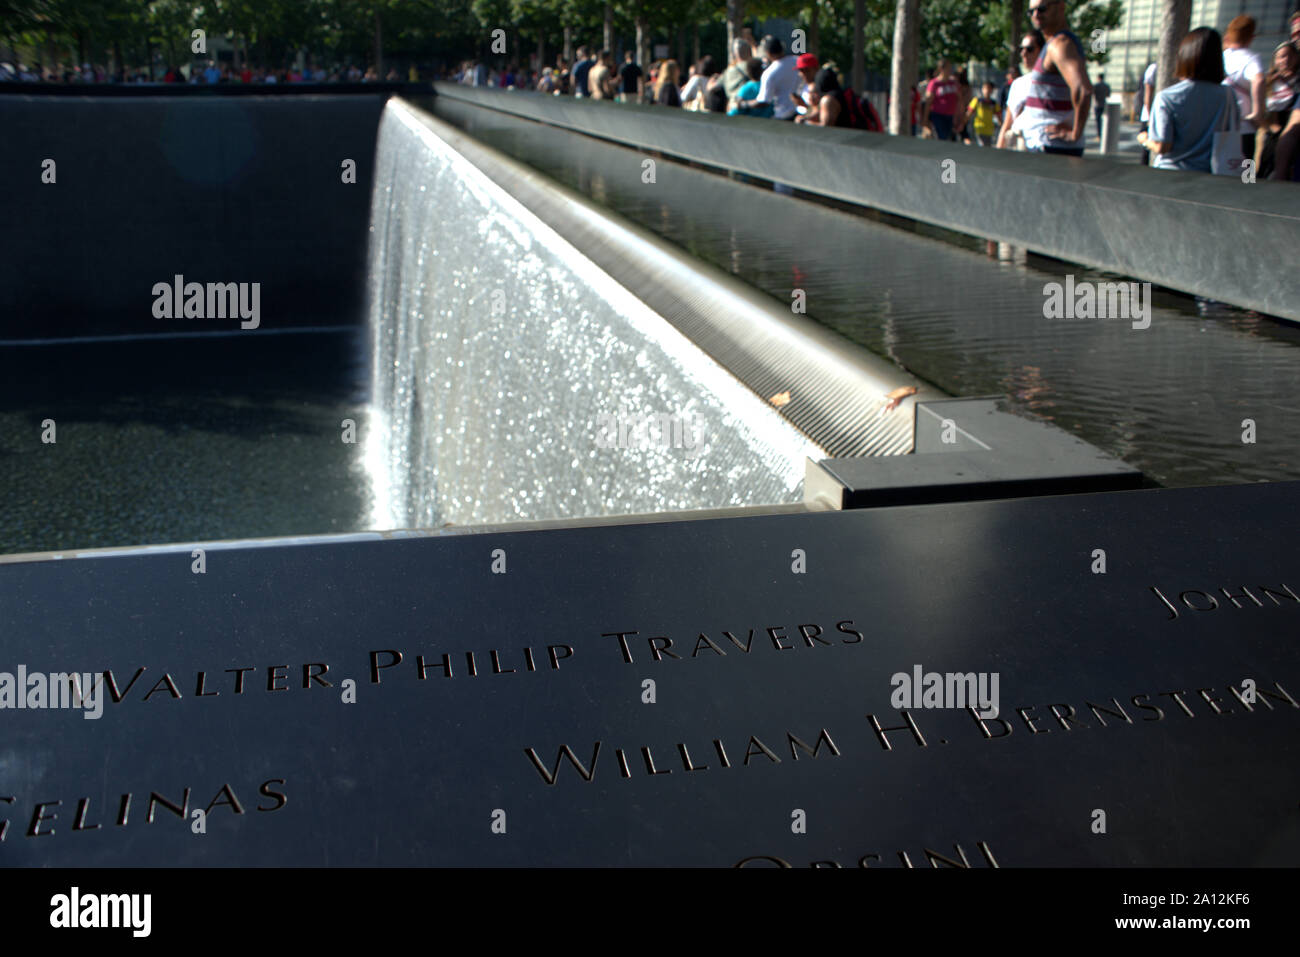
837,389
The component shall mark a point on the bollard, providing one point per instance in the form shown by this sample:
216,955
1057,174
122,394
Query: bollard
1110,124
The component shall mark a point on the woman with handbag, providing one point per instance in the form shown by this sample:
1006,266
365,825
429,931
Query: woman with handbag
1194,121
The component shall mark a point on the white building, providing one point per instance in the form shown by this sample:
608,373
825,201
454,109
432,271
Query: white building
1135,43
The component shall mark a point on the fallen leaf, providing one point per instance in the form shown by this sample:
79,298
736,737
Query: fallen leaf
898,395
780,399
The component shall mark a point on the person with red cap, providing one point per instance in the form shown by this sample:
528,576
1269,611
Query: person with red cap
806,96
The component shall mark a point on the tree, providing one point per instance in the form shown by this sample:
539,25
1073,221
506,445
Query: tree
670,20
171,23
859,39
903,70
642,22
1016,20
1175,22
735,21
1087,20
491,15
535,18
812,15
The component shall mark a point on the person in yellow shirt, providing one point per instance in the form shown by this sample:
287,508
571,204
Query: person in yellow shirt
986,115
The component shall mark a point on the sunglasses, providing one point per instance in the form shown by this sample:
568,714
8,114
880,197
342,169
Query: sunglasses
1041,7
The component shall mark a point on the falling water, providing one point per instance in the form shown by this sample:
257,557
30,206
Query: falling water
504,362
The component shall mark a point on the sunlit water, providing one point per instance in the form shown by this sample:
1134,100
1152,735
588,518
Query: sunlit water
967,316
498,349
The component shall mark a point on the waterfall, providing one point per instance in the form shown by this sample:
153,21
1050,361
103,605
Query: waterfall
514,380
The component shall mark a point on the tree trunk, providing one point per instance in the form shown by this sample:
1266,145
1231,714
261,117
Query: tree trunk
568,45
681,49
607,39
1016,9
121,67
541,50
643,42
859,39
735,20
1175,22
815,31
379,46
907,21
695,48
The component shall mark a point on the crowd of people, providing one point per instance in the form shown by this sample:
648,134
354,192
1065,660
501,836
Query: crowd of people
203,72
761,79
1226,106
1194,125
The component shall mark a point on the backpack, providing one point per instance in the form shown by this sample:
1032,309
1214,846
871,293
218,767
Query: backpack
862,115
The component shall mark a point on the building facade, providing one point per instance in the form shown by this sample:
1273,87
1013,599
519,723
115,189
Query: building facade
1135,43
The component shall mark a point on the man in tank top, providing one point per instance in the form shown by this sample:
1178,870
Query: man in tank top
1060,94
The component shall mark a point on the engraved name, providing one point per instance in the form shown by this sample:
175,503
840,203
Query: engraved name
781,637
1196,600
934,858
717,756
45,815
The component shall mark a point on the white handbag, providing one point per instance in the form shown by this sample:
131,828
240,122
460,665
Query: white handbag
1226,159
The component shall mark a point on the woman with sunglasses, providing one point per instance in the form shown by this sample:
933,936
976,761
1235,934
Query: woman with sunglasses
1030,45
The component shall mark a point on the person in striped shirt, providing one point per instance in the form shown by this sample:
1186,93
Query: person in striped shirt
1060,94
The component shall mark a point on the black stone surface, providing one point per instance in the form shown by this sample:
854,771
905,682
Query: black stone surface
216,188
413,771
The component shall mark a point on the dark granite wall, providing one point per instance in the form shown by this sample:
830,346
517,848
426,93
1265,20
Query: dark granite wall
217,188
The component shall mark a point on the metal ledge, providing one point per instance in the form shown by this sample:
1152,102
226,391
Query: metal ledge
398,534
967,450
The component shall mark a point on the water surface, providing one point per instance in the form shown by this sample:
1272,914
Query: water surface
965,315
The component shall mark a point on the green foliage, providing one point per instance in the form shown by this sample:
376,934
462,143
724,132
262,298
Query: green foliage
344,30
1106,15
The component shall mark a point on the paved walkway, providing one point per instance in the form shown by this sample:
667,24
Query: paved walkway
1128,150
